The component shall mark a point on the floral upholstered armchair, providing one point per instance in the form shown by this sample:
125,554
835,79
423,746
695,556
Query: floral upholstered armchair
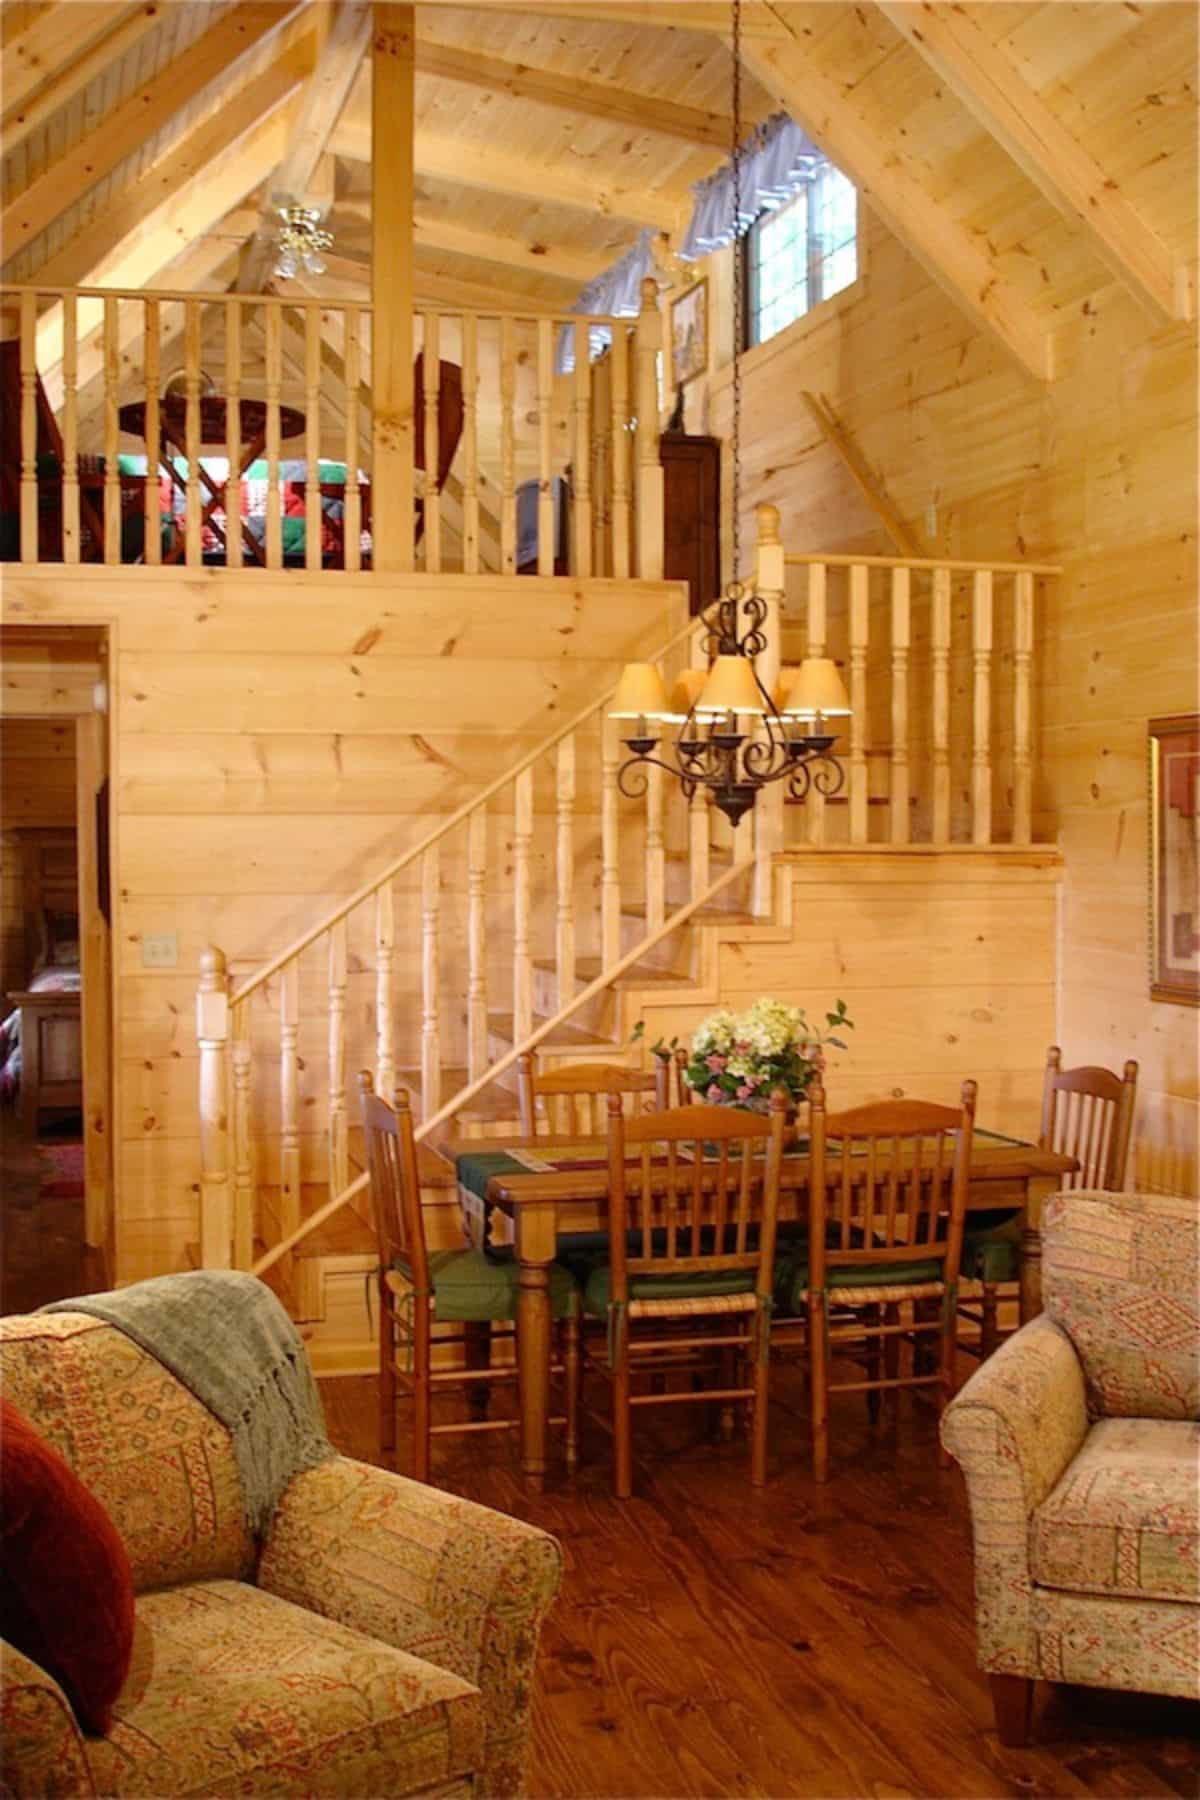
381,1640
1080,1443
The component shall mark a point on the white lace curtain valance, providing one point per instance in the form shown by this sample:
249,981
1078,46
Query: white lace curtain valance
617,293
777,159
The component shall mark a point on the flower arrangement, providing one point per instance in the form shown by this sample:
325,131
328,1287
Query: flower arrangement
739,1059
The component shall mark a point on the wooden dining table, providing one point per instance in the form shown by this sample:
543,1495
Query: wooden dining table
550,1187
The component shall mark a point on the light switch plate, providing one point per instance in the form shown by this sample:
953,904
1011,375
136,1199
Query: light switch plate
160,950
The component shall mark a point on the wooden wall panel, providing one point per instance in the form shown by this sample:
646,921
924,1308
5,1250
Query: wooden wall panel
278,740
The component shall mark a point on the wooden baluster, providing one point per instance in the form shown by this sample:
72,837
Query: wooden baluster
620,451
289,1097
522,947
610,845
112,430
981,755
274,347
29,478
477,841
545,527
1022,822
860,630
70,430
901,640
581,455
816,617
940,617
470,440
385,947
431,1035
152,505
352,364
433,499
212,1035
233,432
768,810
656,853
243,1151
649,466
508,490
193,548
312,437
564,858
339,1151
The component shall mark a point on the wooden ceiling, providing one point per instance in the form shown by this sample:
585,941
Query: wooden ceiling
1026,153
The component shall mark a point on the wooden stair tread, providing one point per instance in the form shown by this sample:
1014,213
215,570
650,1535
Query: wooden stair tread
575,1036
432,1168
495,1102
587,968
705,915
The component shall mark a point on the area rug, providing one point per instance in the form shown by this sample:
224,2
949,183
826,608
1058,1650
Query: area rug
63,1179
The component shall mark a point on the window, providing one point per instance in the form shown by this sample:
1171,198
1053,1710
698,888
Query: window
802,253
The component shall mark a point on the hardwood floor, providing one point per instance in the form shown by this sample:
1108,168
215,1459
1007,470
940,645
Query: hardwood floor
714,1640
43,1256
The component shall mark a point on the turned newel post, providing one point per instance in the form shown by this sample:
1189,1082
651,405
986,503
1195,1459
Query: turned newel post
768,585
649,466
212,1035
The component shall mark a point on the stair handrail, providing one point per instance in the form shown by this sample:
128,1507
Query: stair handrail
467,1093
372,886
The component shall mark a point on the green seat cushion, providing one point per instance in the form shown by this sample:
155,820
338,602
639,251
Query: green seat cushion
992,1247
471,1288
791,1280
598,1291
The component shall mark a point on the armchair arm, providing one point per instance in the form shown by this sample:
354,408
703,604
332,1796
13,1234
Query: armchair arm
1014,1428
42,1750
447,1580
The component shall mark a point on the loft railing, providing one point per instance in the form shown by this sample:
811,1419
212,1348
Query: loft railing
238,430
550,884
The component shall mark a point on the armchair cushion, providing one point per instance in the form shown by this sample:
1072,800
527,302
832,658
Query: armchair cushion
1121,1275
42,1751
234,1691
1125,1518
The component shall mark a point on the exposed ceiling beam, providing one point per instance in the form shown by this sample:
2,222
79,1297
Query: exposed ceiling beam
137,118
534,255
983,77
467,165
352,277
49,44
599,100
20,119
324,98
883,170
675,15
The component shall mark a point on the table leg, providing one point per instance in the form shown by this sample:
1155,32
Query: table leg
1038,1189
536,1238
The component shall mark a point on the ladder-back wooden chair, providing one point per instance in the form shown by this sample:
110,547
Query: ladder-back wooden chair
574,1099
692,1244
887,1194
1087,1113
419,1289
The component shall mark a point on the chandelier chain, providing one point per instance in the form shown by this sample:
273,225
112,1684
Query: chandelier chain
739,274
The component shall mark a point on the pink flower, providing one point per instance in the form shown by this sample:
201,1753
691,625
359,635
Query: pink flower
745,1091
714,1092
715,1063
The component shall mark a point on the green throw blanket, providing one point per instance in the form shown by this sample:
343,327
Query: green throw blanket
225,1336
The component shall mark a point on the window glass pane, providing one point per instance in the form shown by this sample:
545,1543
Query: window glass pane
802,253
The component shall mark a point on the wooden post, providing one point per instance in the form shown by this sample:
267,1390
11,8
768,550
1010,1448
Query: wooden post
564,872
274,347
656,850
610,848
339,1155
620,450
233,433
860,630
815,646
191,373
508,453
392,63
70,431
545,402
940,617
289,1097
385,944
477,1056
1022,822
243,1152
312,439
432,352
470,441
112,430
581,454
352,367
981,754
29,482
768,808
212,1032
901,640
431,1047
649,466
522,910
152,514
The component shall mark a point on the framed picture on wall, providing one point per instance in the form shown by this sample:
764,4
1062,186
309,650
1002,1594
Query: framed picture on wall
1175,859
689,334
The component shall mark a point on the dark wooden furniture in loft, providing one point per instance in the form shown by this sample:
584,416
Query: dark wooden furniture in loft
49,456
692,514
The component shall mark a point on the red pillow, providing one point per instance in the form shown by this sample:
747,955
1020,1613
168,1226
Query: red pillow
66,1588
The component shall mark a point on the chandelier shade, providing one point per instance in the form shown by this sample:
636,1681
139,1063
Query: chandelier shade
732,687
814,690
686,692
641,694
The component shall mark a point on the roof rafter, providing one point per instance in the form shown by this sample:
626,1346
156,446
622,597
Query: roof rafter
48,45
438,291
675,15
533,256
137,117
884,172
600,100
993,91
19,120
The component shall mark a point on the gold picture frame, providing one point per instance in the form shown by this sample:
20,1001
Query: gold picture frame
1174,759
689,333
